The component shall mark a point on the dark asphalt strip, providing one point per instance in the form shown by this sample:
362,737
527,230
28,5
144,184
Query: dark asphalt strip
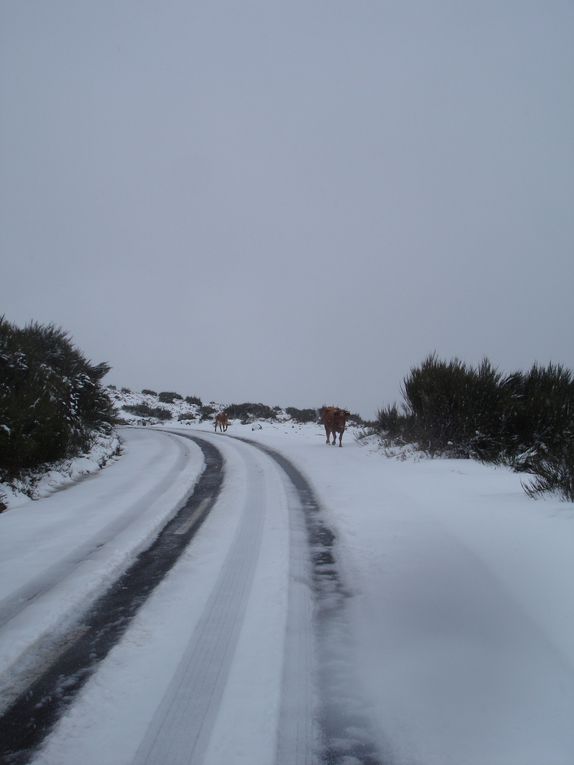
33,715
330,597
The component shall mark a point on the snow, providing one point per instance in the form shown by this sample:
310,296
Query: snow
462,605
61,551
44,480
120,701
459,620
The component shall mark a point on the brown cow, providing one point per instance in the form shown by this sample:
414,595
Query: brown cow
222,420
335,420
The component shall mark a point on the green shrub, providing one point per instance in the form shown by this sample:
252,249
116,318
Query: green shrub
148,392
396,426
167,397
207,412
525,419
541,414
194,400
143,410
247,412
456,409
186,416
540,429
51,398
553,473
302,415
126,390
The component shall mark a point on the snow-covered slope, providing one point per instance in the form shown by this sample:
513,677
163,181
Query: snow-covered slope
180,408
46,479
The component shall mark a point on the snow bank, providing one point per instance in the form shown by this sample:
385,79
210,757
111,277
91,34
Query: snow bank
44,480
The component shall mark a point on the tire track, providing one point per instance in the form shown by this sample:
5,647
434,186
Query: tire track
34,713
181,729
345,731
319,720
19,600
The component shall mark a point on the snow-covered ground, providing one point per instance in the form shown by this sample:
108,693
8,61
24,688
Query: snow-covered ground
459,615
59,552
46,479
461,601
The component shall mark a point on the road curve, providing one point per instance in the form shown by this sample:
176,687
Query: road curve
34,585
278,562
187,723
29,719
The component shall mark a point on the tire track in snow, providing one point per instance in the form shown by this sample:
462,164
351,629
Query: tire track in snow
181,729
19,600
183,726
30,718
345,732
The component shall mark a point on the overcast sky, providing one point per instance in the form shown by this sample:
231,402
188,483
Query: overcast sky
289,202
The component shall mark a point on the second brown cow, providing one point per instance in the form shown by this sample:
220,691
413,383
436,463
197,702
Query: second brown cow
335,421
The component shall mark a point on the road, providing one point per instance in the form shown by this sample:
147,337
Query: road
193,605
241,683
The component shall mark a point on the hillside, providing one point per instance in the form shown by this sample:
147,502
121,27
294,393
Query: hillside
145,409
152,408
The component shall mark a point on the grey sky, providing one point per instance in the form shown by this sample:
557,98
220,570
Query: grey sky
290,202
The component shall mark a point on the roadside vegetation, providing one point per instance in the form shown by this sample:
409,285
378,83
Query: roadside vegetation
524,419
144,410
302,415
53,406
168,397
249,412
52,403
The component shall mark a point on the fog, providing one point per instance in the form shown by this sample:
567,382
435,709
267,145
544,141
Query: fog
289,202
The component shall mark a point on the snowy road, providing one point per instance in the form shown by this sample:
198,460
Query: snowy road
334,607
58,554
227,662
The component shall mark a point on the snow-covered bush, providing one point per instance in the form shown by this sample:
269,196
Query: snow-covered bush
247,412
525,420
541,429
51,399
302,415
554,473
396,426
207,411
455,408
144,410
168,397
540,421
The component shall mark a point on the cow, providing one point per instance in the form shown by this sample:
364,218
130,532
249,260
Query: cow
335,420
222,420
